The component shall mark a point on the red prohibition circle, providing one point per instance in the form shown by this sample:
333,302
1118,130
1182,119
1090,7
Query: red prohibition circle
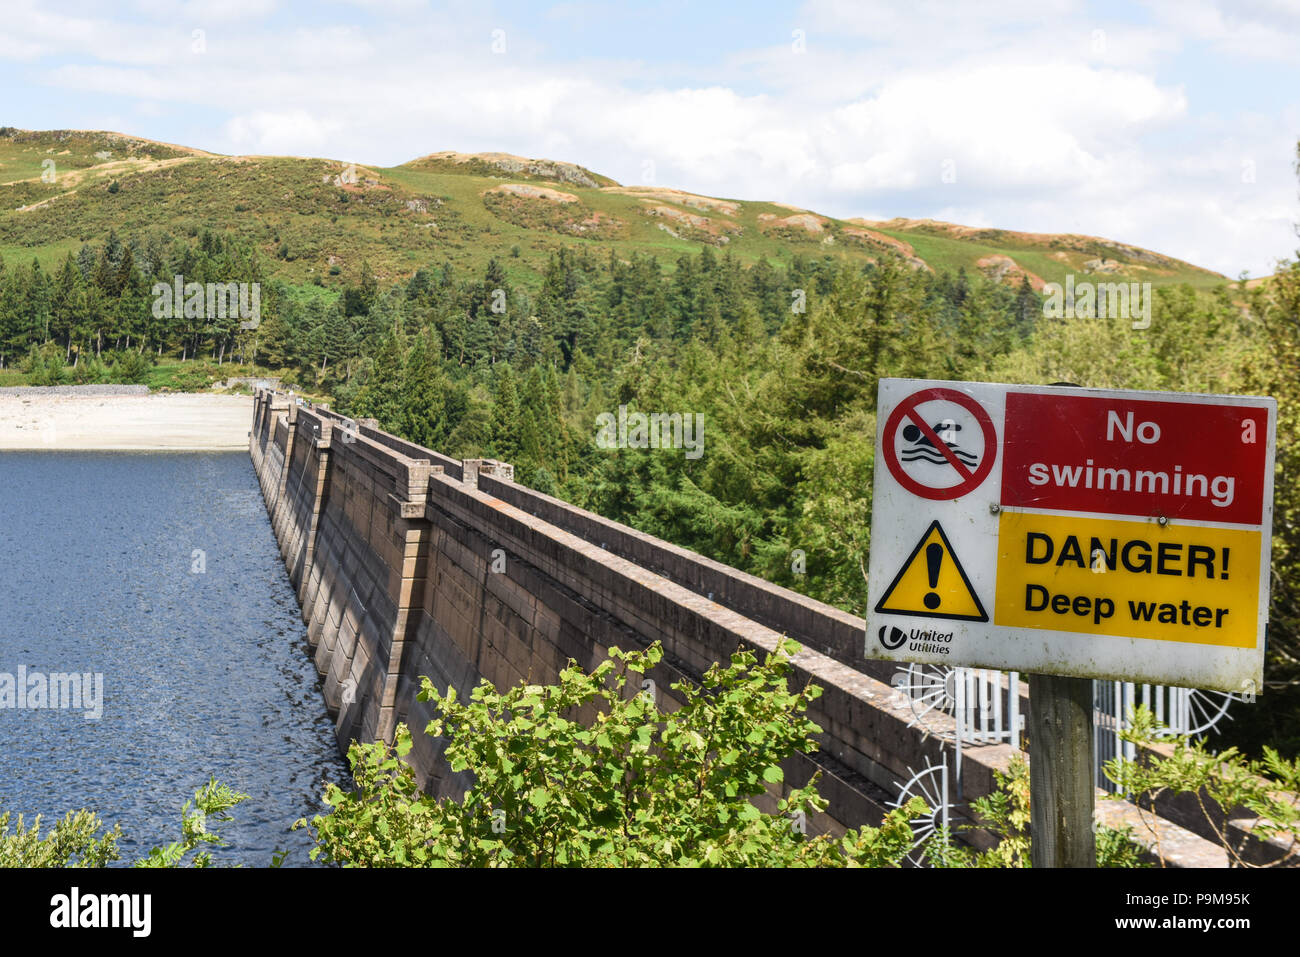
907,409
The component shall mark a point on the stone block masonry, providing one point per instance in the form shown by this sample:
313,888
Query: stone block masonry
409,564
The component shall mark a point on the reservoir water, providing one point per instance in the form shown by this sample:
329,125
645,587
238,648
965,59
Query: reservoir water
160,573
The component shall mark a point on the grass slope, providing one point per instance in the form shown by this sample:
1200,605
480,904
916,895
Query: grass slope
319,219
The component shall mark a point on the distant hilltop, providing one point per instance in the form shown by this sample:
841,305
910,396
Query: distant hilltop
317,220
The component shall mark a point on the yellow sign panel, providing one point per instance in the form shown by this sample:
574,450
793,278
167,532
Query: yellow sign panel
932,583
1130,579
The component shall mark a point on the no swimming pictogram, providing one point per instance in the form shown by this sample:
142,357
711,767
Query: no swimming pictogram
939,444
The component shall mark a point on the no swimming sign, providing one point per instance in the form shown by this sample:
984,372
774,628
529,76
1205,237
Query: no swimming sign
1085,532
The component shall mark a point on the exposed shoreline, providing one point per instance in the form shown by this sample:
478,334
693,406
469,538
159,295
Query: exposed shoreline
63,419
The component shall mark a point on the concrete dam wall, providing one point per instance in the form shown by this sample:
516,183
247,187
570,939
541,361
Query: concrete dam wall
408,563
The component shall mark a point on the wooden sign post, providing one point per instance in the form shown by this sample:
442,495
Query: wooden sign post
1062,795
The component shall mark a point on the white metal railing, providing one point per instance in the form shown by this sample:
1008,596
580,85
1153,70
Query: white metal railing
984,703
1185,711
983,706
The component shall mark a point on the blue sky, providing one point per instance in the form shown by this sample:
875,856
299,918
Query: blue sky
1170,124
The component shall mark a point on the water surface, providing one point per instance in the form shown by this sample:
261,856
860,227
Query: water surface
160,572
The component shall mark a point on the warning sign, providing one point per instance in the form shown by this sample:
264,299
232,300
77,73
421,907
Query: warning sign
1106,577
932,583
926,451
1106,534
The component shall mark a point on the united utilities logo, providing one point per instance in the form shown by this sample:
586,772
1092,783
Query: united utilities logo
891,637
929,642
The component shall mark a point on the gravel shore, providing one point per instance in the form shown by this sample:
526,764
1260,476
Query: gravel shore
36,391
68,418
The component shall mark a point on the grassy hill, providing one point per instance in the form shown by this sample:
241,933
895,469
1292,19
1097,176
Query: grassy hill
319,219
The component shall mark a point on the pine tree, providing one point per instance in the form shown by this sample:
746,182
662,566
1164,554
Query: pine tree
422,394
86,260
505,421
40,296
1027,309
67,302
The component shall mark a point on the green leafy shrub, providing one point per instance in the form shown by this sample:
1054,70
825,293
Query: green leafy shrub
635,786
89,370
211,805
193,377
76,841
44,365
132,367
1005,814
1219,781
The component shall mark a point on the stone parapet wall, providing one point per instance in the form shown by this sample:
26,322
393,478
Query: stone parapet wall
814,624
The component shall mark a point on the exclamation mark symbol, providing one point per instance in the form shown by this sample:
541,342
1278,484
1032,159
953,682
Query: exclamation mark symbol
933,559
1224,572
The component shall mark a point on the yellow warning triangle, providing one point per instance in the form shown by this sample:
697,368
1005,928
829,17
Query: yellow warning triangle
932,583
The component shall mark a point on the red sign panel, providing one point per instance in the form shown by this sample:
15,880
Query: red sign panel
1199,462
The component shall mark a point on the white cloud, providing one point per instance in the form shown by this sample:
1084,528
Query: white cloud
296,132
1045,128
201,12
1256,29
